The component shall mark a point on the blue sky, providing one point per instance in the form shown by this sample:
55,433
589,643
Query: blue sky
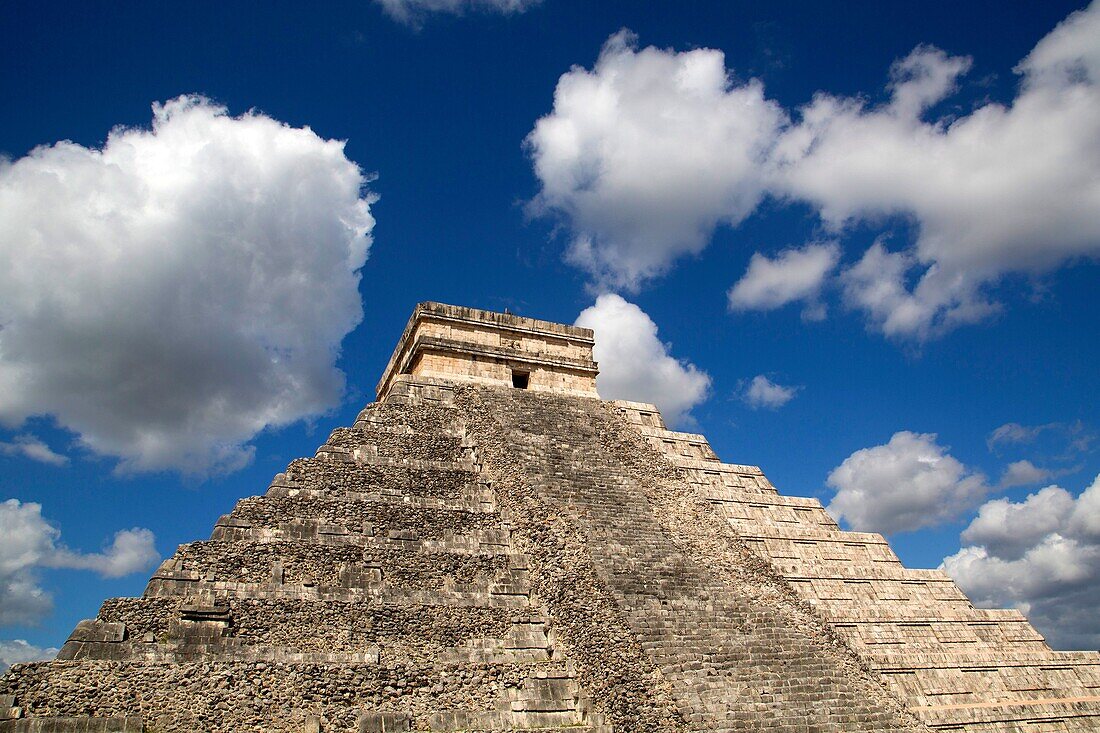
858,249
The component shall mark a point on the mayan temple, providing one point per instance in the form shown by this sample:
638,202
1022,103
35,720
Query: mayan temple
491,547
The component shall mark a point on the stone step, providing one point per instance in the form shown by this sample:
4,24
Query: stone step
494,539
440,479
983,684
339,561
216,696
488,595
471,496
122,724
972,656
543,701
356,515
430,442
1081,713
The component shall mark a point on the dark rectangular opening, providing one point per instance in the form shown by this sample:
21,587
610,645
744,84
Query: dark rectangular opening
520,379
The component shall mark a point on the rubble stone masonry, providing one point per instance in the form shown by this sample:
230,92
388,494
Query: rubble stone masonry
481,553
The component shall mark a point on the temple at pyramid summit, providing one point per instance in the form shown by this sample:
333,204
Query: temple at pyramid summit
491,547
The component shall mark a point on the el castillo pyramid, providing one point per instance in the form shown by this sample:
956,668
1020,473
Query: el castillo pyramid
491,547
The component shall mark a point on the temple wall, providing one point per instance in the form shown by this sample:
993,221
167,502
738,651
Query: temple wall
480,347
489,334
499,372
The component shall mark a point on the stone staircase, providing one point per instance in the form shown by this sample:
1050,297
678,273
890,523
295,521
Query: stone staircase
730,655
956,666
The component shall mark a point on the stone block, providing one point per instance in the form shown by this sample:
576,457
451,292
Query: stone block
95,630
384,722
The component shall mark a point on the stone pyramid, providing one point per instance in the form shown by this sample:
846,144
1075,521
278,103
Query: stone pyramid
491,547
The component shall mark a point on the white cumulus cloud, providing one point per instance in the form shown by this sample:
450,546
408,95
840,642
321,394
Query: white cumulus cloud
636,365
26,542
1042,556
1009,529
906,484
1022,473
171,294
793,275
30,446
646,154
1002,189
18,651
763,392
877,285
413,12
29,542
131,550
649,151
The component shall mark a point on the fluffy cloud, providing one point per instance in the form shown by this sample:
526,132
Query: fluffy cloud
1022,473
794,274
1041,555
131,550
906,484
19,651
1008,529
413,12
28,542
182,288
877,285
649,151
635,363
1003,189
32,447
646,154
763,392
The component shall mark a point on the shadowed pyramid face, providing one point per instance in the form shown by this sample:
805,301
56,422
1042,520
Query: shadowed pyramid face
492,548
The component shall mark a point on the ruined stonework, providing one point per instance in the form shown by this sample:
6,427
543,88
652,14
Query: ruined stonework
490,547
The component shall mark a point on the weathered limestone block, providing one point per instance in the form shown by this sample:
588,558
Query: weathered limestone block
95,630
95,638
373,722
